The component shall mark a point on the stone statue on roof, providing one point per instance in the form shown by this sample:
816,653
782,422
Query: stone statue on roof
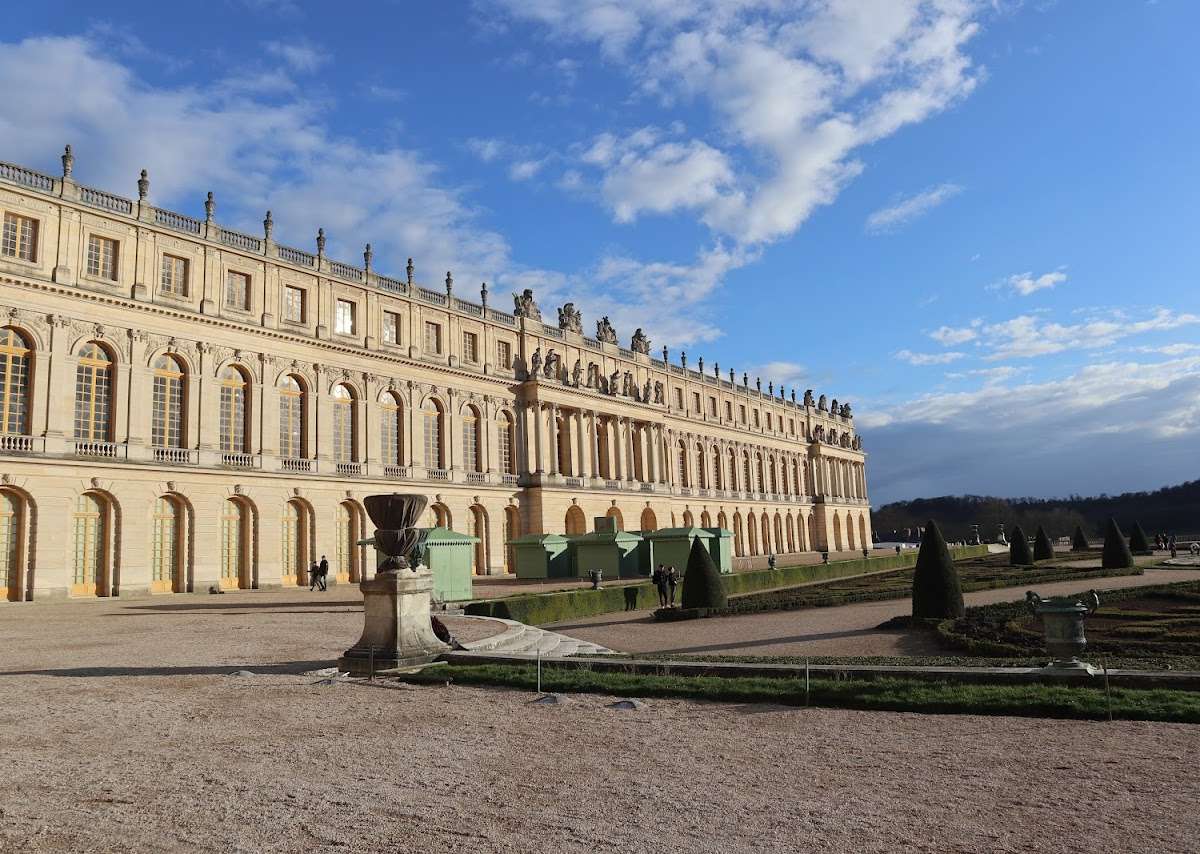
640,342
605,332
570,319
524,305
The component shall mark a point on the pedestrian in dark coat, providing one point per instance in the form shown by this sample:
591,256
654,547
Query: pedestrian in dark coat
672,582
659,577
314,575
323,573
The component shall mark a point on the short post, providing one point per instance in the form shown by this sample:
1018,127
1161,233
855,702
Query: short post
371,666
806,688
539,669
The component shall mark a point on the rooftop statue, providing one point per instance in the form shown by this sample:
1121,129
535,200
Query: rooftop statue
605,332
570,319
524,305
821,404
640,342
808,398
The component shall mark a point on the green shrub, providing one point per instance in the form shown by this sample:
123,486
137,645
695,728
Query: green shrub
1043,549
1138,544
1079,542
1018,549
937,592
1116,550
702,582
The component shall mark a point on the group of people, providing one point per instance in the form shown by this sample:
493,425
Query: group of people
317,573
666,579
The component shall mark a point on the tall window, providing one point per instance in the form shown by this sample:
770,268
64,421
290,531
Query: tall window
237,290
234,392
759,461
20,237
470,435
696,402
343,425
433,338
174,275
348,549
432,416
747,480
712,407
102,258
742,414
716,469
233,544
166,417
90,520
679,399
504,440
470,347
683,466
503,355
93,394
294,538
164,550
756,422
293,304
14,382
391,429
344,317
391,327
10,546
291,418
732,483
770,421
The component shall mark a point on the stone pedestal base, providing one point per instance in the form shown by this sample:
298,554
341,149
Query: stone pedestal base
398,631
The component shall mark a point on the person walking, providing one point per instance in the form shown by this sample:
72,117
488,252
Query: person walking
314,576
672,582
323,573
659,577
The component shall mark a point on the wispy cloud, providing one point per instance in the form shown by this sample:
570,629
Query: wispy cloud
905,210
1027,283
921,359
300,55
949,336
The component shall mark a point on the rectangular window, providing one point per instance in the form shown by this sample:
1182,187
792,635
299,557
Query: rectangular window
696,402
756,422
102,258
174,275
742,414
344,317
679,399
470,347
770,421
293,304
391,327
728,411
237,290
433,338
712,407
792,426
503,355
20,237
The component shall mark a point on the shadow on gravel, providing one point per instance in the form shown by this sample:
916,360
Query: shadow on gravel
717,647
247,606
287,668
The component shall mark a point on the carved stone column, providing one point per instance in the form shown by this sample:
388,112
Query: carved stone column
595,444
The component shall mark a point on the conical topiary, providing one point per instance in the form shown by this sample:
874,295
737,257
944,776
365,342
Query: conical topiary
1043,549
1138,544
1018,548
702,585
1116,550
1079,542
936,589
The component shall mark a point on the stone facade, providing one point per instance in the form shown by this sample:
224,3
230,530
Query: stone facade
184,406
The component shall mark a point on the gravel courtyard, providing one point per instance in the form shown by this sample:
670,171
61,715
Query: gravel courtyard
121,730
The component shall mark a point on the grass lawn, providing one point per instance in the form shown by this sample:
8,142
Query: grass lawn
898,695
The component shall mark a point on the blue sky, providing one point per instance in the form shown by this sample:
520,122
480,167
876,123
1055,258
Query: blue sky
974,220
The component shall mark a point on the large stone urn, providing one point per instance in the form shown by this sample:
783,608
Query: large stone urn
398,630
1062,622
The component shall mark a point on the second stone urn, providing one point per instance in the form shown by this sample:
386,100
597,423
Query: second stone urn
398,629
1062,622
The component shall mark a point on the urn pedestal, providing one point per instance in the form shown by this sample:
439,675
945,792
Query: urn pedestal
1062,621
397,630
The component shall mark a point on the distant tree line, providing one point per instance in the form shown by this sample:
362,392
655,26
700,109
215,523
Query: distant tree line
1173,509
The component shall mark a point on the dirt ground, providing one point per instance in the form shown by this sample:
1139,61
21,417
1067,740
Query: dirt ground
122,730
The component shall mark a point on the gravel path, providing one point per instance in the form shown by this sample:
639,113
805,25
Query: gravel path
844,630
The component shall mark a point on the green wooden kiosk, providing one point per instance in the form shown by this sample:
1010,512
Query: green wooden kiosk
613,552
542,556
671,546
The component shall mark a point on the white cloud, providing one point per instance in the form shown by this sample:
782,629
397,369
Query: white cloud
784,374
302,55
665,178
523,170
950,335
908,209
1027,336
486,150
921,359
1027,283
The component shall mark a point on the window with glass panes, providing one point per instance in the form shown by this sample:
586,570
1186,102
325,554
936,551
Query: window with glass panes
93,394
759,461
470,436
14,382
390,430
346,540
343,425
696,402
10,544
391,327
233,411
504,442
683,472
293,542
20,237
503,355
164,548
89,523
433,338
102,257
344,317
679,398
293,304
174,276
291,418
742,414
233,523
470,347
432,418
166,415
237,290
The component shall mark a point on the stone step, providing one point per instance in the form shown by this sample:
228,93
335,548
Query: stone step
520,639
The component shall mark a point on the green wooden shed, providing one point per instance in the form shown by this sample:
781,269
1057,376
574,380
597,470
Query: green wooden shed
542,556
671,547
450,557
615,553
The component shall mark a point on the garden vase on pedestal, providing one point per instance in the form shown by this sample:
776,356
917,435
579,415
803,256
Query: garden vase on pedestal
1062,622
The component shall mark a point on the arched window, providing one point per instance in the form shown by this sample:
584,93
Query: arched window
766,534
837,532
649,521
235,393
863,542
689,521
575,524
701,469
11,526
93,394
14,382
90,522
291,418
235,544
479,530
472,459
166,417
732,483
441,516
505,442
349,553
166,570
774,476
758,464
705,520
294,567
716,468
683,464
343,424
434,452
747,479
391,429
512,530
616,514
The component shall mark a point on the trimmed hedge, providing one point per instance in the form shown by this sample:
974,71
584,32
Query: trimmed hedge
538,609
1018,549
1043,549
1139,544
1116,551
1079,542
936,591
703,587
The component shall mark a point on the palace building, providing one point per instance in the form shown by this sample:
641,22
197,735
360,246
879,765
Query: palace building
185,406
